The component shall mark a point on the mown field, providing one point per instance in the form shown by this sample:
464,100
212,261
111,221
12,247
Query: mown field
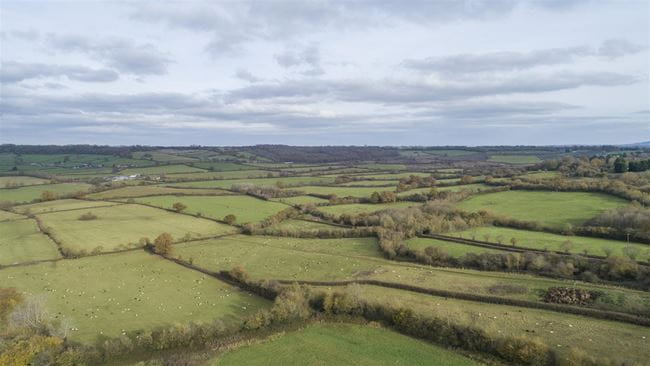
341,344
122,226
113,294
21,241
228,183
30,193
245,208
163,169
555,209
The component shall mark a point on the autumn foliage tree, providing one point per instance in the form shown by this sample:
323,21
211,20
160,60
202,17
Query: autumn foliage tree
163,244
179,206
230,219
48,196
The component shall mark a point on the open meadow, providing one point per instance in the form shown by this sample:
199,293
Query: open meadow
556,209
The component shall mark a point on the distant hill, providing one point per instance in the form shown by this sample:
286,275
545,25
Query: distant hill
639,144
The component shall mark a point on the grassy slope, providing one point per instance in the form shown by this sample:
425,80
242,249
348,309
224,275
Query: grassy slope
342,344
551,208
245,208
128,291
21,241
515,159
28,194
227,183
7,216
125,225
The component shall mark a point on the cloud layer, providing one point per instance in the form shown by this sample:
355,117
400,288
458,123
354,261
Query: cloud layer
325,72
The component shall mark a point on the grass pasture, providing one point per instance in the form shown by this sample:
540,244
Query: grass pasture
228,183
21,241
599,338
358,208
122,226
301,200
58,205
554,242
384,183
320,260
295,224
514,159
162,169
142,191
342,344
555,209
245,208
231,174
116,293
344,191
451,248
20,181
8,216
30,193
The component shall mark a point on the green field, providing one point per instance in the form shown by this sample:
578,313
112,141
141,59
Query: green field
162,157
141,191
301,200
227,183
58,205
233,174
470,187
344,191
122,226
162,169
221,166
515,159
451,248
245,208
554,242
19,181
386,183
600,338
303,225
7,216
320,260
111,294
358,208
451,153
395,176
21,241
555,209
30,193
342,344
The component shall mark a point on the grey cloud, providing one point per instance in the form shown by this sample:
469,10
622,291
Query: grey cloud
508,61
13,72
232,24
614,48
247,76
121,54
26,35
398,91
297,57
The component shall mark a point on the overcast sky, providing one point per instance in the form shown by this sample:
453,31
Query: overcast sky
325,72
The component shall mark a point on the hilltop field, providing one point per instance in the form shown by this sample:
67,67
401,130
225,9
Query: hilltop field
407,256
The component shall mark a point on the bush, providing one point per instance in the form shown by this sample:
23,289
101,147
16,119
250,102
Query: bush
88,216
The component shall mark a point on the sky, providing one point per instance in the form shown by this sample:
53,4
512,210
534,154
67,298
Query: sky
435,72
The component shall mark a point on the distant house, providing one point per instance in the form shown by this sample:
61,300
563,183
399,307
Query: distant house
119,178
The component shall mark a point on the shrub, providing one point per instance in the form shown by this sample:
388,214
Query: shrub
88,216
